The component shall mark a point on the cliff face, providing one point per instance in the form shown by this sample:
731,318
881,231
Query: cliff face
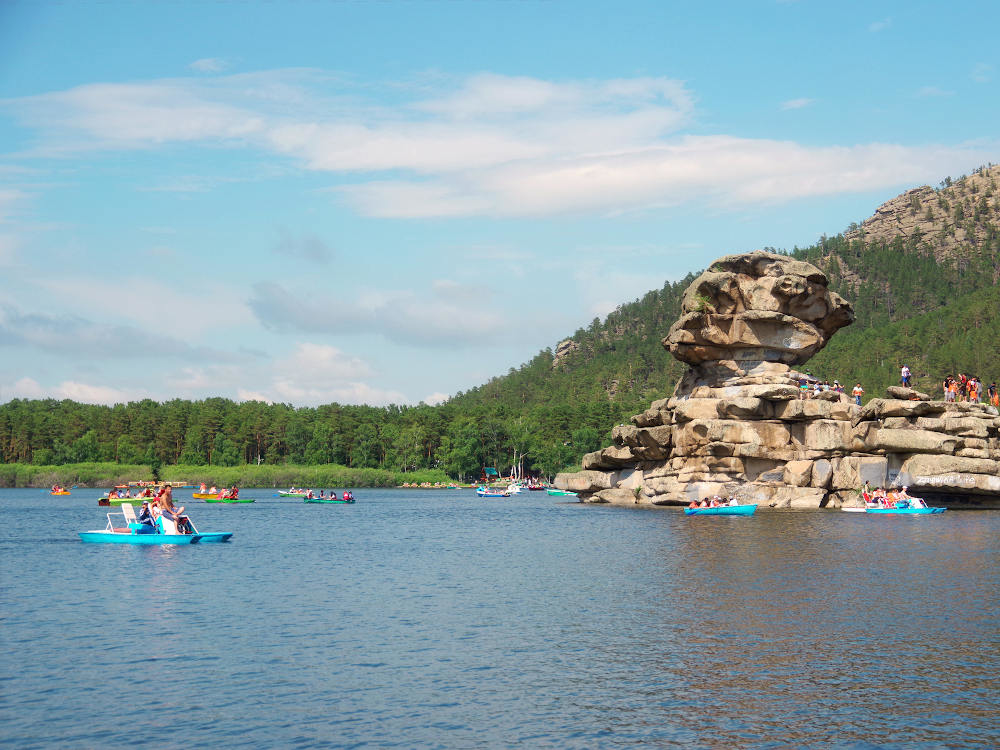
948,221
737,423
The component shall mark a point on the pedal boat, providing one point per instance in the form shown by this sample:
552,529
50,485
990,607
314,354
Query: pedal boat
722,510
904,511
485,492
906,507
140,533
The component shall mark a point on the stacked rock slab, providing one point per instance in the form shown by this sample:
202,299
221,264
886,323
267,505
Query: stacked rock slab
736,424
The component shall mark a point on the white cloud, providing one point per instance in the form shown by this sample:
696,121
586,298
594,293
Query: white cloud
188,308
435,398
83,392
306,247
929,91
209,65
72,334
400,316
486,145
796,103
878,26
982,72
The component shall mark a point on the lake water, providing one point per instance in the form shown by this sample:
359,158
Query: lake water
423,619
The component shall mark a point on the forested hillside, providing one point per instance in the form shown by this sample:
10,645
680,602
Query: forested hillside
927,297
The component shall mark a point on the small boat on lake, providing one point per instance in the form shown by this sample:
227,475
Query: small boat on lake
131,531
217,499
328,501
894,505
722,510
61,492
560,493
487,492
293,493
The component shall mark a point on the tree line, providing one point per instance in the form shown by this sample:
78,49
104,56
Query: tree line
939,316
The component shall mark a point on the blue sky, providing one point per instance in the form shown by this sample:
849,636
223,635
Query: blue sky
392,201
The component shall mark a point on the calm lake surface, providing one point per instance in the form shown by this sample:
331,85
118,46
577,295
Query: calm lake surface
421,619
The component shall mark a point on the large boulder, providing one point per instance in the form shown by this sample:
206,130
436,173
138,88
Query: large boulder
759,307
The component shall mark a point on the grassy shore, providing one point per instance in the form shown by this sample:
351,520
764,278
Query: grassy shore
110,474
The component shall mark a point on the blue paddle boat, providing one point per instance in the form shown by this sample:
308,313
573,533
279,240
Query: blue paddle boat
487,492
134,532
722,510
908,511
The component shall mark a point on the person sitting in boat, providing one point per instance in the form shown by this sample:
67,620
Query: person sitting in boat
214,490
172,512
146,514
333,495
203,489
234,492
693,503
733,501
348,495
703,503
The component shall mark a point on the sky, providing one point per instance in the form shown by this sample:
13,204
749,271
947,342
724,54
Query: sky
392,201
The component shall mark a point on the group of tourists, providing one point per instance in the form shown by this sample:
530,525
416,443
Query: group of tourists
882,498
969,388
810,387
231,494
162,507
713,502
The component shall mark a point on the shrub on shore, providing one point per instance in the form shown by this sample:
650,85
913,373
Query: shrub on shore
248,475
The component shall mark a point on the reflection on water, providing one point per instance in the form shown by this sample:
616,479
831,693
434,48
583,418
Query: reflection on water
423,619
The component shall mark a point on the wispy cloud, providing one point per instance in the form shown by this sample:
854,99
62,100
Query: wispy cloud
209,65
878,26
485,145
75,335
982,72
796,103
306,247
932,91
73,390
399,316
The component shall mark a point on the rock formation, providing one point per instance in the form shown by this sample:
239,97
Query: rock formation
737,423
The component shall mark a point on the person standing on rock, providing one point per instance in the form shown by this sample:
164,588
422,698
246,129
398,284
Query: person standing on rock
904,376
858,392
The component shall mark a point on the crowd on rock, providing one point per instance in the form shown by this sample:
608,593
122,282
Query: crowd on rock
810,387
969,389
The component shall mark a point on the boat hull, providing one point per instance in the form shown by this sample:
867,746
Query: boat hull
111,537
561,493
59,493
316,501
291,494
905,511
722,510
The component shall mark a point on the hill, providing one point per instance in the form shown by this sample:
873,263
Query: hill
922,274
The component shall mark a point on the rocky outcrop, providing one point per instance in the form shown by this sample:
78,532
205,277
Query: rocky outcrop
737,424
757,307
944,221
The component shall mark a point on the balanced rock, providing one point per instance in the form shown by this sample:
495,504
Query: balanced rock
738,424
760,306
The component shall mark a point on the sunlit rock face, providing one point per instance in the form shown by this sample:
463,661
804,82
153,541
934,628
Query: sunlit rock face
737,425
757,307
